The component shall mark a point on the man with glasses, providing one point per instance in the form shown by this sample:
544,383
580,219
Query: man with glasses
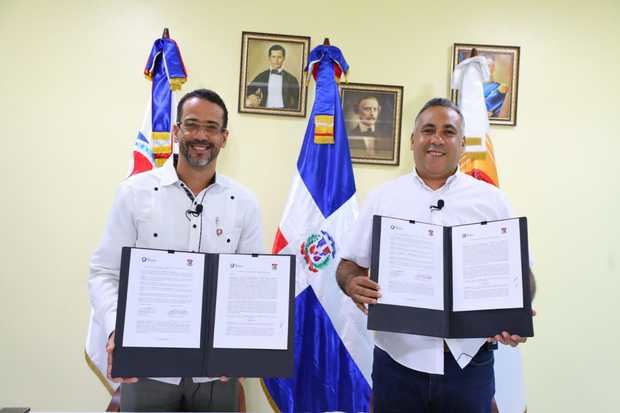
184,205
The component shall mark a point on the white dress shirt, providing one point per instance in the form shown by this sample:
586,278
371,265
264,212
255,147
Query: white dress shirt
466,200
274,90
149,211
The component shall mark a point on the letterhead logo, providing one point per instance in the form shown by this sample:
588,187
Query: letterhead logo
504,230
274,266
318,250
147,259
189,262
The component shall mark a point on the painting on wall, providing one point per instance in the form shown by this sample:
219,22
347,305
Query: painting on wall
373,120
500,92
272,76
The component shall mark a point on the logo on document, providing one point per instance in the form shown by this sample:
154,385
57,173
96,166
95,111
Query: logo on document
190,262
504,230
318,250
431,232
274,266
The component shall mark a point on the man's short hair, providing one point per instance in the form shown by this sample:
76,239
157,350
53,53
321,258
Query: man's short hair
363,98
277,47
204,94
443,102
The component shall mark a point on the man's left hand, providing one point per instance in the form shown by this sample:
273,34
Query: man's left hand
508,339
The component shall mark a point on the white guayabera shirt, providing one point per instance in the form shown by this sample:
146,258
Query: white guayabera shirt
150,211
466,200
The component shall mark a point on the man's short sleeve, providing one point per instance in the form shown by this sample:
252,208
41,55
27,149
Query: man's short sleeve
358,242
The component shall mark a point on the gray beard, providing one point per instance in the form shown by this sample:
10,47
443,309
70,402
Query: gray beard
197,163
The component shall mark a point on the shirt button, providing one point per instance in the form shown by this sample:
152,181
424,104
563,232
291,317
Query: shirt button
228,240
155,234
194,225
232,197
156,189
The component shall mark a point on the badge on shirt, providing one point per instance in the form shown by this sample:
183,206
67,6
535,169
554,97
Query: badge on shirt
218,231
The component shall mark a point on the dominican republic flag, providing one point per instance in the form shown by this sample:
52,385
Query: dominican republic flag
166,72
479,162
333,348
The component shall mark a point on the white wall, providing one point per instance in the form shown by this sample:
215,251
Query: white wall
73,96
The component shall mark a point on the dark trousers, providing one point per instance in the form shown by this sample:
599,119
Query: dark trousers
154,396
397,388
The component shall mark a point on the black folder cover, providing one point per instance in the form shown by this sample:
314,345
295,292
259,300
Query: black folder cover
448,323
205,361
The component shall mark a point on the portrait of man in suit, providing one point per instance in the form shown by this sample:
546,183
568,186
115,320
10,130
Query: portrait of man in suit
274,87
372,119
368,111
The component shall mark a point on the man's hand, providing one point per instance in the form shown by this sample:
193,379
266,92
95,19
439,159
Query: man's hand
362,291
508,339
110,348
255,99
354,282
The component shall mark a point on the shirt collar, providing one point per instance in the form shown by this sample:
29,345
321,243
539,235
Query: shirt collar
451,179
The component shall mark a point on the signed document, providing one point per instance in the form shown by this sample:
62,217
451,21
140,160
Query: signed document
465,281
164,299
251,305
486,266
411,267
184,314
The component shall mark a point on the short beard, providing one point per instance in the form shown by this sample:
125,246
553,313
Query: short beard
197,163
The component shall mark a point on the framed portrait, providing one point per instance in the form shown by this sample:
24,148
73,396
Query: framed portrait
501,91
373,120
272,79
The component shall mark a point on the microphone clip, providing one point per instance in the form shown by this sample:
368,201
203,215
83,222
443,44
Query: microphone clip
439,206
194,212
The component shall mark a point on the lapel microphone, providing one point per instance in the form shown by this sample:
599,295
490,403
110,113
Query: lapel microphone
196,212
440,204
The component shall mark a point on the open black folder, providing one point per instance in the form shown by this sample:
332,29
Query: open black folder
203,359
445,322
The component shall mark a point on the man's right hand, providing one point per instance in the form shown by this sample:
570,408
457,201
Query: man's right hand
362,291
110,348
255,99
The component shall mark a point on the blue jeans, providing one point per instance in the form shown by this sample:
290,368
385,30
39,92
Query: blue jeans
397,388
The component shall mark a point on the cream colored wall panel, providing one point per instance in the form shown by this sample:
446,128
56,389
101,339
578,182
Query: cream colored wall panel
73,98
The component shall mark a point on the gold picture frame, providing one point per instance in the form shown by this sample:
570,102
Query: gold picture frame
373,116
273,62
501,91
